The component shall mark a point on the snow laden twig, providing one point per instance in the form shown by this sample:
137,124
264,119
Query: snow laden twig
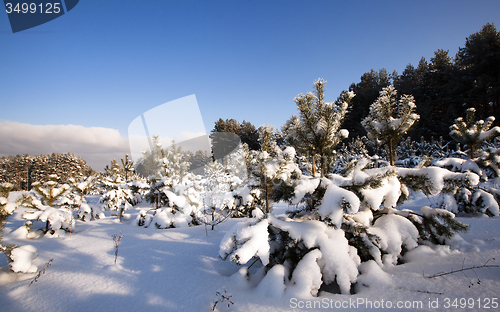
42,271
462,270
422,291
116,241
222,297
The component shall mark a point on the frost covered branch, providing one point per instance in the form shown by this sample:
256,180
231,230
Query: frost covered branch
116,241
486,265
222,297
42,271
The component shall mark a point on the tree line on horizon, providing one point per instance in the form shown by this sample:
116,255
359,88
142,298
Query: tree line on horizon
443,88
23,170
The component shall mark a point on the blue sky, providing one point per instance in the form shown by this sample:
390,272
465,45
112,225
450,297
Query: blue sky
106,62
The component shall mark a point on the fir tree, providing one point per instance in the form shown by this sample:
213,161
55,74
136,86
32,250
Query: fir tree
6,208
271,169
479,71
389,119
128,166
114,169
82,187
473,133
489,158
77,191
175,164
118,196
316,130
172,189
268,150
367,91
50,191
150,163
246,131
218,199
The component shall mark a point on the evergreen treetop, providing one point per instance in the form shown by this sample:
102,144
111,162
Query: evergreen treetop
390,119
471,132
317,128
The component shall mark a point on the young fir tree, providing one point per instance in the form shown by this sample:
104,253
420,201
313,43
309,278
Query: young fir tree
82,187
77,191
114,169
6,208
163,169
489,158
473,133
316,131
218,199
150,164
48,200
50,191
271,169
173,190
175,163
128,166
118,196
268,152
389,119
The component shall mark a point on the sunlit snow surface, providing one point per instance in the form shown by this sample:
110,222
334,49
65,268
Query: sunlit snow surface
180,270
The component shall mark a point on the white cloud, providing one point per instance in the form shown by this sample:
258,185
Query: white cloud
186,135
97,145
187,141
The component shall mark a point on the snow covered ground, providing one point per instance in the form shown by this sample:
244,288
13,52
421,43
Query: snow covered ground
179,270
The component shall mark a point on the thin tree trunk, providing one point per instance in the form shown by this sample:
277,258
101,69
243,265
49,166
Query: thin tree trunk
267,196
213,218
322,162
391,151
471,151
314,164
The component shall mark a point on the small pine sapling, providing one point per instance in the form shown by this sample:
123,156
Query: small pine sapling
6,208
50,191
118,192
472,133
489,158
316,130
155,196
46,200
390,119
128,166
113,170
272,170
82,187
218,199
